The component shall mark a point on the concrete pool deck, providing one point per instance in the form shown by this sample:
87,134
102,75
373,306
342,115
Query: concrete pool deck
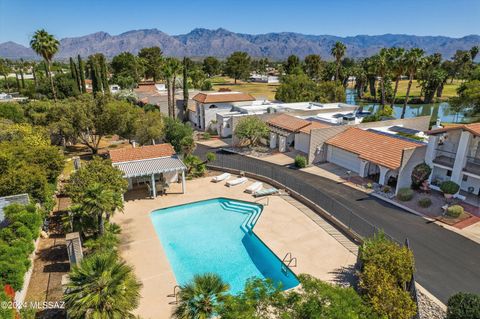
282,226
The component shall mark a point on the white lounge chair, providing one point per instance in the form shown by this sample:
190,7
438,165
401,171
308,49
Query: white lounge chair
222,177
265,192
255,187
237,181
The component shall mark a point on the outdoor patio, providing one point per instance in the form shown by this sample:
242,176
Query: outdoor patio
282,226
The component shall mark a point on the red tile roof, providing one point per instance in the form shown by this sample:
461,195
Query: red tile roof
288,122
141,153
223,97
473,128
374,147
314,125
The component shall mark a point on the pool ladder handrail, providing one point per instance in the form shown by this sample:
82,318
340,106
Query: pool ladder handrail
175,294
288,261
263,198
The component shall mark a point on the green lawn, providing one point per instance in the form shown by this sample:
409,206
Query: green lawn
258,90
449,90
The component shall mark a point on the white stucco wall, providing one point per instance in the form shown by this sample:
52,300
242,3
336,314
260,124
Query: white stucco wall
343,158
471,182
302,142
410,159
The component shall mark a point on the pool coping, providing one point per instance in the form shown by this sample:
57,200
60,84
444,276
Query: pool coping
250,231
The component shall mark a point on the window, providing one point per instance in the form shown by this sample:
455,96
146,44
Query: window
449,173
465,178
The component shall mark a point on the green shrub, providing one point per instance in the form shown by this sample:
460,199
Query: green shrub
386,189
207,136
420,173
454,211
463,306
424,202
300,161
449,187
405,194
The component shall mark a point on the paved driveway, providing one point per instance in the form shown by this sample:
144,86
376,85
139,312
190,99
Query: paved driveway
446,262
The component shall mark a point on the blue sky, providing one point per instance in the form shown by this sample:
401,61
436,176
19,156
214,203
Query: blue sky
65,18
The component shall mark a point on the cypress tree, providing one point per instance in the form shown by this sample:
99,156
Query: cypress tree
185,88
74,73
81,73
104,75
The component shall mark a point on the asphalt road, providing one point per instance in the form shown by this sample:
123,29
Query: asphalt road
446,263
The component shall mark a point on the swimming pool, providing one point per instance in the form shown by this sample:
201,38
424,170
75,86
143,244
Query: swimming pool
216,236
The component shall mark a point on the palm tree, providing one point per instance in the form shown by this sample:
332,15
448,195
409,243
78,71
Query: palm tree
199,298
398,67
45,45
338,51
413,59
170,69
102,286
99,201
382,62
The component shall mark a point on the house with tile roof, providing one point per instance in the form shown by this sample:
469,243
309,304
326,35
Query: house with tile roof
453,153
208,104
387,159
152,167
288,131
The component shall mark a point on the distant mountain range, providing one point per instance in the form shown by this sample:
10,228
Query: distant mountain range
221,43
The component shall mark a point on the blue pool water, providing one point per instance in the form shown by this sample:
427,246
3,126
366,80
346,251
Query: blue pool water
215,236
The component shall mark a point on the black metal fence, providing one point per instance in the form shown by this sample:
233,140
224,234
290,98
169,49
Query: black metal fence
345,215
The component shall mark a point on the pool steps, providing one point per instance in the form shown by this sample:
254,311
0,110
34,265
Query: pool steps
252,210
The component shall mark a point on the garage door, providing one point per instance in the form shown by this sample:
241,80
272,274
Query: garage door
344,159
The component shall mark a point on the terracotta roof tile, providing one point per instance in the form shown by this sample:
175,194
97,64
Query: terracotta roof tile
314,125
375,147
140,153
222,97
288,122
473,128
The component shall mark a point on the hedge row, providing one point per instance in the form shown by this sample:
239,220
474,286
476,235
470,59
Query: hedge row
16,243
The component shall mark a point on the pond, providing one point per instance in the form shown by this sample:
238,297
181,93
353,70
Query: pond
436,110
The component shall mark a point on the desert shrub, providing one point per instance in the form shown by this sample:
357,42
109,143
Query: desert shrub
454,211
449,187
300,161
420,173
207,136
405,194
463,306
424,202
386,189
386,269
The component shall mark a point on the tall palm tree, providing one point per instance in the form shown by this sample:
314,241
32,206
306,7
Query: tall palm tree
338,51
382,62
101,202
45,45
170,69
413,60
199,298
398,67
102,287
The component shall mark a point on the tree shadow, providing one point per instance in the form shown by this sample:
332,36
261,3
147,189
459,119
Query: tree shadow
345,276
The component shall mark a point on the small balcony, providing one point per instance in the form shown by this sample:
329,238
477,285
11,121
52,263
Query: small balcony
444,158
472,165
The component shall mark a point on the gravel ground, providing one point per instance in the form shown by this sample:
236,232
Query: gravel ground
429,309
